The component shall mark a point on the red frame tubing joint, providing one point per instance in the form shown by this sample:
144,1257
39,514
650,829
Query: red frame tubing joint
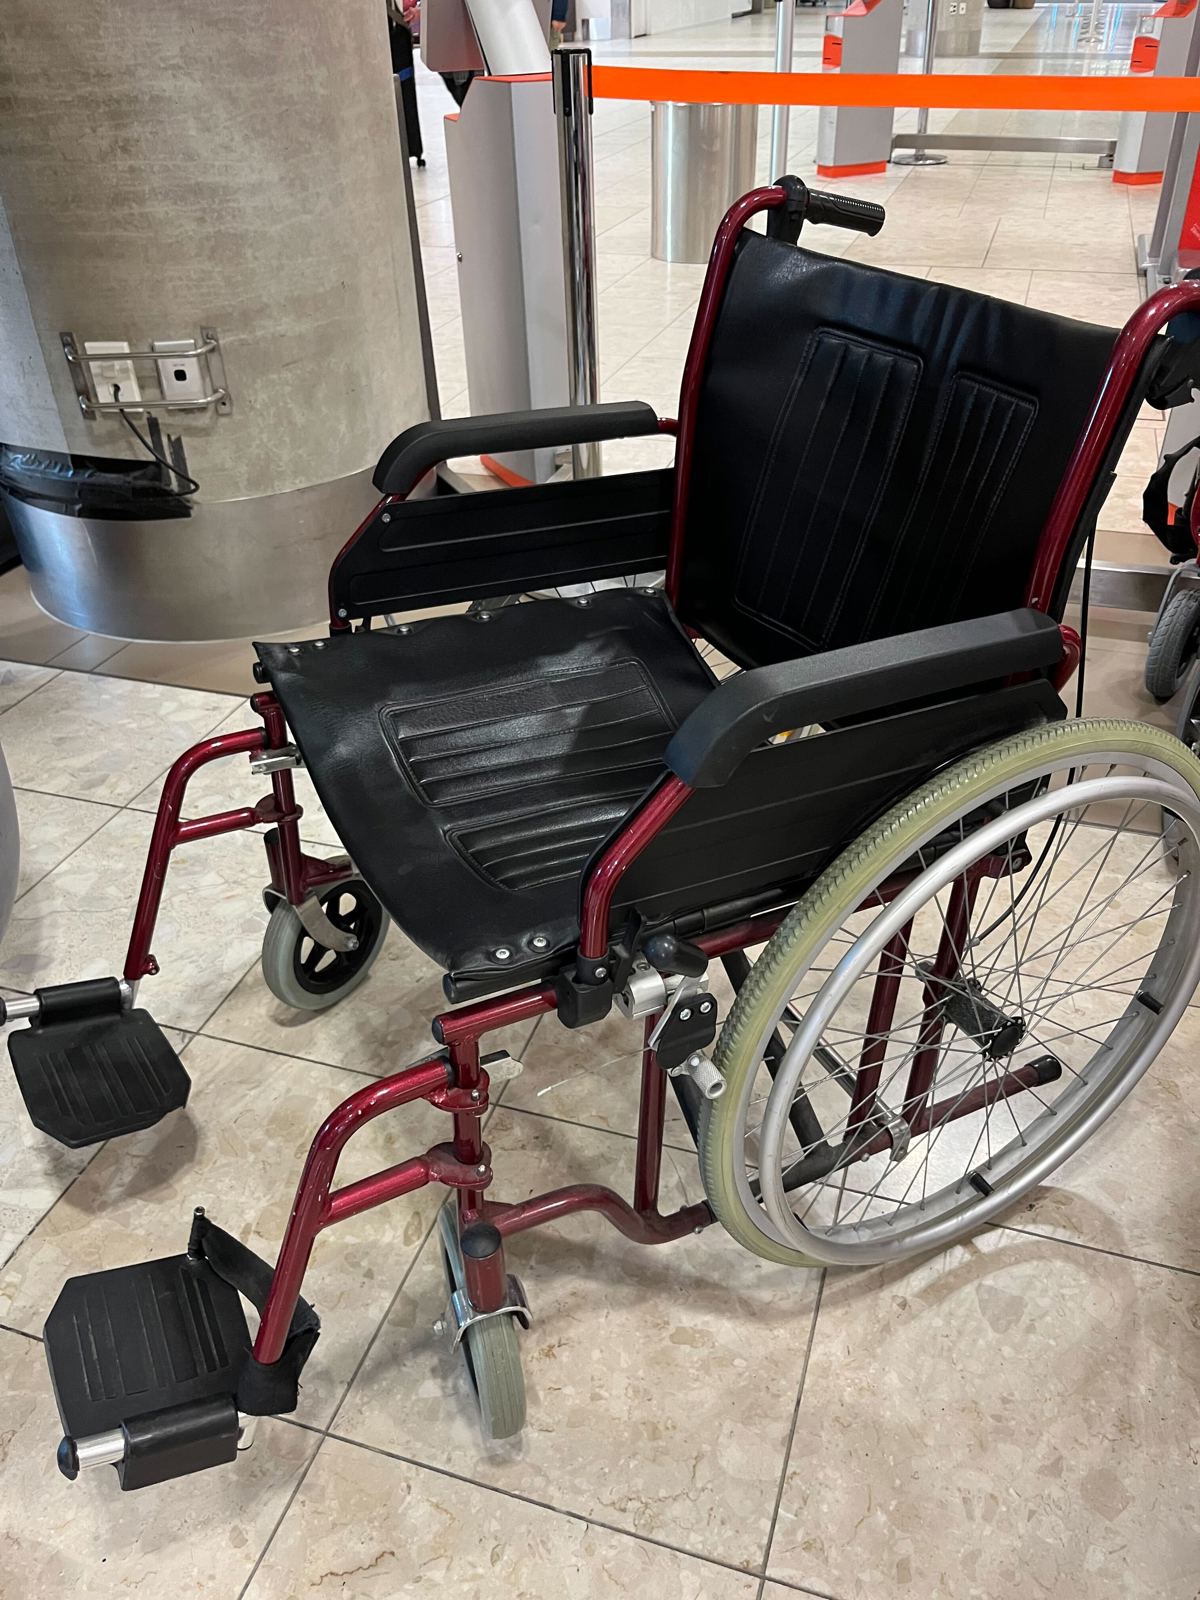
445,1167
462,1102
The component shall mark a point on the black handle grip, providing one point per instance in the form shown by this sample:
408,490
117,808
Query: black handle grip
427,444
844,211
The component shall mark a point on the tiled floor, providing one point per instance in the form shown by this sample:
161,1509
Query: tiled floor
1016,1417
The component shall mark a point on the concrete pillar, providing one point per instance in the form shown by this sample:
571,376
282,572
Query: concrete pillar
169,166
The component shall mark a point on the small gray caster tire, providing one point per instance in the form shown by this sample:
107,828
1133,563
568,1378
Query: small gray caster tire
491,1350
303,974
1173,645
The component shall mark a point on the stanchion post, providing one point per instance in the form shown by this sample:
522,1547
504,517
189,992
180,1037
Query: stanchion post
785,30
921,157
572,76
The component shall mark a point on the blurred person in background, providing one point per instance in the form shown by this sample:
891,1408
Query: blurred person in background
403,23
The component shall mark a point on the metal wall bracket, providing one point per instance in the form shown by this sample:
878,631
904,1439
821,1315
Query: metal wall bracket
206,350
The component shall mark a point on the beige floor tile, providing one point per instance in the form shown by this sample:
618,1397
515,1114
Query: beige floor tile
1130,550
388,1529
1134,1187
1042,243
1005,284
98,738
92,651
659,1379
381,1026
1122,509
590,1075
1139,458
223,666
229,783
943,243
26,633
1107,296
237,1149
1113,686
51,828
1012,1417
18,680
75,923
200,1538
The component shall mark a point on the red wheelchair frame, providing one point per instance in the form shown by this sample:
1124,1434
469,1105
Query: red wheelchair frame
454,1078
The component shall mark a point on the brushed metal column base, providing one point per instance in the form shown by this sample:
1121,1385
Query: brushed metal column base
231,569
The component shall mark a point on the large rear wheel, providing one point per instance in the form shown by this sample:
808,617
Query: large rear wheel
961,999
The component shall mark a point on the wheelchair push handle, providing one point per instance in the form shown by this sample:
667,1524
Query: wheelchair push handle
844,211
800,204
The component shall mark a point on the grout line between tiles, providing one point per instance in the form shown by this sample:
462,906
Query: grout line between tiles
103,822
1096,1249
791,1438
296,1488
7,1327
547,1505
595,1127
36,665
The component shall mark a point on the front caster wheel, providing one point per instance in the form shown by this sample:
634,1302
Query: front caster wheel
490,1349
299,971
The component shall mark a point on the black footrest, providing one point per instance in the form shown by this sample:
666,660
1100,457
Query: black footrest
88,1070
154,1350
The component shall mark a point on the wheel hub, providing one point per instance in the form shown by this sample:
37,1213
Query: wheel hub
997,1032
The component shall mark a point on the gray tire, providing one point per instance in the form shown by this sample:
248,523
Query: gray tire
490,1349
299,972
1173,645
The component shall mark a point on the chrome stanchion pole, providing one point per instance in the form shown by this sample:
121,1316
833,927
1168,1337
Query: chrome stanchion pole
920,157
785,30
573,110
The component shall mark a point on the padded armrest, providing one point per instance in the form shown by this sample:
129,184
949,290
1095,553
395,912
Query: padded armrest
414,452
749,707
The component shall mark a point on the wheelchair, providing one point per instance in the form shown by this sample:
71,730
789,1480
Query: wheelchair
954,937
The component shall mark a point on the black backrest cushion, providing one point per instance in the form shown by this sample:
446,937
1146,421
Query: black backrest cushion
873,454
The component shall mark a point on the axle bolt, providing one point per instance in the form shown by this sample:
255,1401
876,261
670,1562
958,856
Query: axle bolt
685,1014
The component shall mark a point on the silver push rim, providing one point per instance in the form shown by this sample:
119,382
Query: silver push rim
1131,1045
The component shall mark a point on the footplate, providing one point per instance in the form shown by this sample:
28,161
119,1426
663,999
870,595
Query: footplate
89,1069
145,1362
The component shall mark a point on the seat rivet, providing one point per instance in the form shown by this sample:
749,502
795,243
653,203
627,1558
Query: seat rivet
584,600
483,616
342,612
503,953
293,649
403,627
386,517
318,644
539,941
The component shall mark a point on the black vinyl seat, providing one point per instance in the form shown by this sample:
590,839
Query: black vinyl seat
472,767
874,457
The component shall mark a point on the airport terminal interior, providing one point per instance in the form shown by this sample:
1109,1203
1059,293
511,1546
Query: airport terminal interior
980,1390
